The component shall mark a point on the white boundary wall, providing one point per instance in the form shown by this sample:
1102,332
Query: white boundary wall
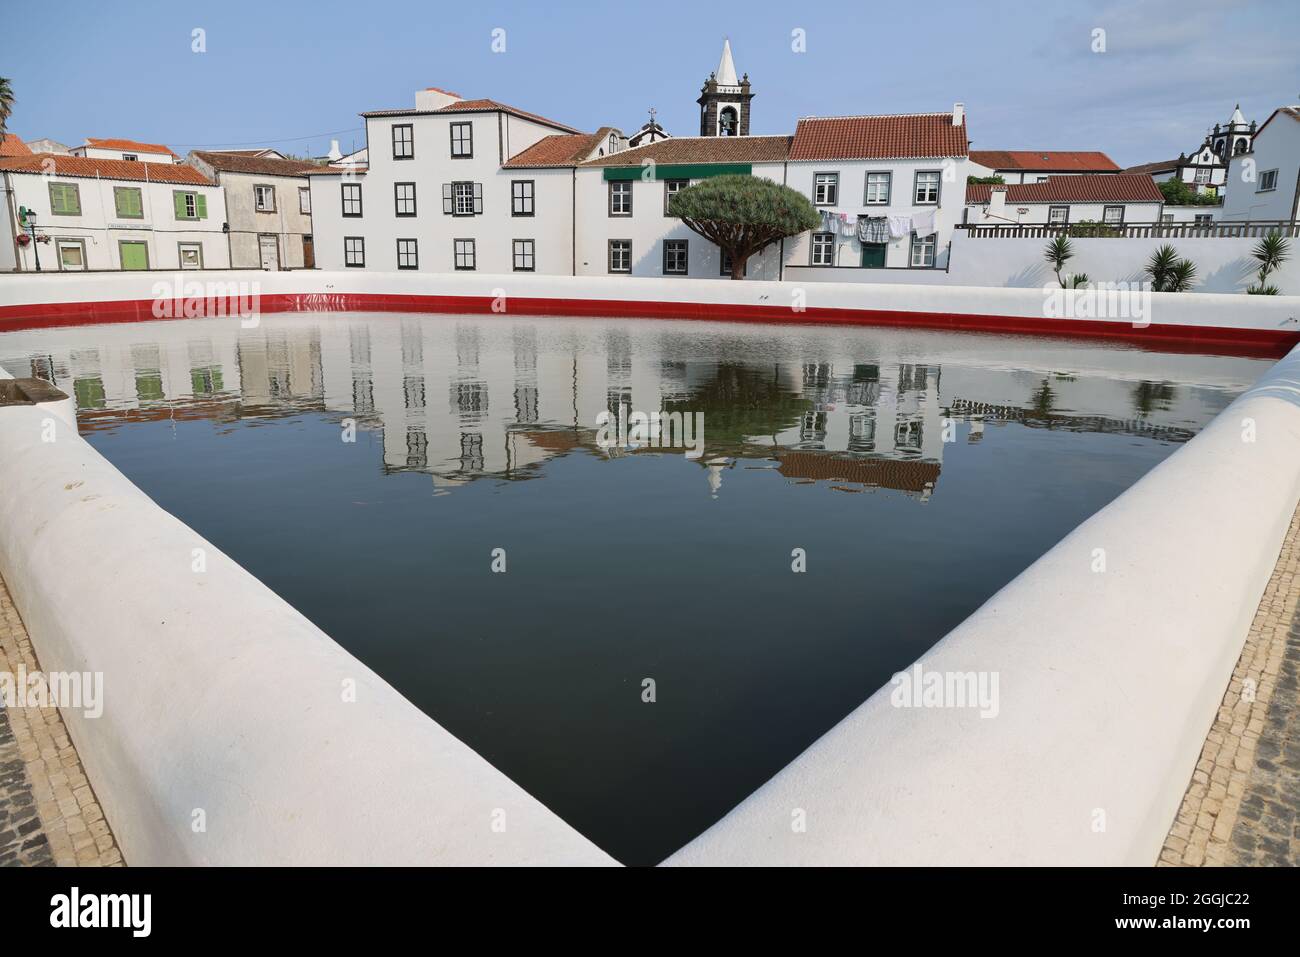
312,289
219,696
1108,683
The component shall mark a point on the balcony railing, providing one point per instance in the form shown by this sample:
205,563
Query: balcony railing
1245,229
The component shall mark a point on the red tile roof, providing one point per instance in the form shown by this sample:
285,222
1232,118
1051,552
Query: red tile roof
58,165
703,149
130,146
260,165
1046,161
476,106
878,137
1120,188
337,170
11,145
1149,168
562,149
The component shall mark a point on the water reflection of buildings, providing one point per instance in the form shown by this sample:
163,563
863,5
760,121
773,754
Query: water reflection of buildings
466,399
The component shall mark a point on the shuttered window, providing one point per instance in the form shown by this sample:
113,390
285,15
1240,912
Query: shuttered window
128,202
65,199
462,199
190,205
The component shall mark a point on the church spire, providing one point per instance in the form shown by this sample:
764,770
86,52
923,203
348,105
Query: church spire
724,99
726,74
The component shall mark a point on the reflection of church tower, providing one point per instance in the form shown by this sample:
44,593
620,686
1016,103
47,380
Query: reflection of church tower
724,100
1235,137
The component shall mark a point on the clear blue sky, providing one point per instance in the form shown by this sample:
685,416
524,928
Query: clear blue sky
291,75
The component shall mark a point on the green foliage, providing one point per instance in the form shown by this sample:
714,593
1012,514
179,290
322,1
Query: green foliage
990,180
6,104
1271,252
1169,272
1058,252
1178,193
742,215
1091,229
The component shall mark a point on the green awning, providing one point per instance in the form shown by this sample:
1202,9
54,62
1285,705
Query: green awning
681,171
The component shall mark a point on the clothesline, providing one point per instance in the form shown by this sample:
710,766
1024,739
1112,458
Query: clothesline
871,229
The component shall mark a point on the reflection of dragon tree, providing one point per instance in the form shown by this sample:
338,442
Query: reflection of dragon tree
1150,396
739,401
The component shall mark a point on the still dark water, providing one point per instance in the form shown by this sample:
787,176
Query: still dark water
918,472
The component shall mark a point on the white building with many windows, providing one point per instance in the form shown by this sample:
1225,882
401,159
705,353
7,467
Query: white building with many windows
437,196
458,185
97,214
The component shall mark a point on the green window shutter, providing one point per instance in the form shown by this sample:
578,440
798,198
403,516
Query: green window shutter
128,202
64,199
134,255
201,205
179,200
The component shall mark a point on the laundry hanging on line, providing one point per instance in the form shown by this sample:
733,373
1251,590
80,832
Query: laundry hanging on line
873,229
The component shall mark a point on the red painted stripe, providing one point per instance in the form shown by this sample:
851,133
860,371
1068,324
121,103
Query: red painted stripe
1218,340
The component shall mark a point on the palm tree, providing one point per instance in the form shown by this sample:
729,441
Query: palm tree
1168,272
1273,250
6,105
1059,252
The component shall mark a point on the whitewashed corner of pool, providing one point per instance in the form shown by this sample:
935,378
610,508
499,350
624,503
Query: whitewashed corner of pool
226,698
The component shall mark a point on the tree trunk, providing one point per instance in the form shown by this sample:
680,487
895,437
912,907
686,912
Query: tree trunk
737,266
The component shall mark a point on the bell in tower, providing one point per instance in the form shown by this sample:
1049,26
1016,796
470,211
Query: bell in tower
724,100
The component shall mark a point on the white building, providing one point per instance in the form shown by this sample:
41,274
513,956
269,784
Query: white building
112,214
268,208
435,195
1264,183
460,184
1119,200
127,150
1036,166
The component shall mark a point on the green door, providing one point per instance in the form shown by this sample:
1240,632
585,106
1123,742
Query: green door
134,255
873,255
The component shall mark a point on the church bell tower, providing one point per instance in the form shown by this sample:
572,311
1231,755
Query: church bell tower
724,100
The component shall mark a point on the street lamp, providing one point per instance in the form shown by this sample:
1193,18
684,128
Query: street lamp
28,217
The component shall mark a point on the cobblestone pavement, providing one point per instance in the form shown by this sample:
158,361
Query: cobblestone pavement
1243,804
48,811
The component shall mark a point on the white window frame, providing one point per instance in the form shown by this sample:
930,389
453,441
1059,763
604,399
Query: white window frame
1269,177
462,140
620,197
523,197
411,253
354,252
304,200
262,192
823,249
928,177
673,248
878,175
624,247
1051,215
464,255
924,251
826,189
523,255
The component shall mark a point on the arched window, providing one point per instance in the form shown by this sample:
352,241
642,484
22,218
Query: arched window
727,122
613,143
1239,148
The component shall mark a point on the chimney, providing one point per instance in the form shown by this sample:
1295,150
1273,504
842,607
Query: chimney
334,154
997,203
958,114
433,98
